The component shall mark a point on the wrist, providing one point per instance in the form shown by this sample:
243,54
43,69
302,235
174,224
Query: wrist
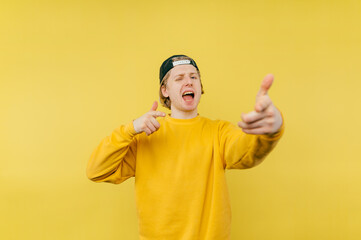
130,128
134,124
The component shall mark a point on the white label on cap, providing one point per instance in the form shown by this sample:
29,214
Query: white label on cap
180,62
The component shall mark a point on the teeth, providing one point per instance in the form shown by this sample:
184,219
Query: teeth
187,93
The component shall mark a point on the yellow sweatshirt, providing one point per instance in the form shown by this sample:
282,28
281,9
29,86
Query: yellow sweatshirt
179,171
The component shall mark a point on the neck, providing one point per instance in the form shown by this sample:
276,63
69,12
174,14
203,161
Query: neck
184,115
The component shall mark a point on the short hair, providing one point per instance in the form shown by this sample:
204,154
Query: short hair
165,101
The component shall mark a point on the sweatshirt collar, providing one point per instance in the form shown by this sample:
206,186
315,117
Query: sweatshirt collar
168,118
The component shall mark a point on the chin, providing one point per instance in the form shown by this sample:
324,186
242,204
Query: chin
183,106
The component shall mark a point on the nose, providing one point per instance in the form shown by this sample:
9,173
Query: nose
188,81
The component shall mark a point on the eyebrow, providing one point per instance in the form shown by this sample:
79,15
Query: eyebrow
182,74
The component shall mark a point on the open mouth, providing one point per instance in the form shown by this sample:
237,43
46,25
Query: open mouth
188,96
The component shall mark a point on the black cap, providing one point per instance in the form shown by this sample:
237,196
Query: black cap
169,64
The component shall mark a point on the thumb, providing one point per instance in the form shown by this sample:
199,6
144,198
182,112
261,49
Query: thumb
265,85
155,106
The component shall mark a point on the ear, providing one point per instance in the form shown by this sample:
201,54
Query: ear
164,91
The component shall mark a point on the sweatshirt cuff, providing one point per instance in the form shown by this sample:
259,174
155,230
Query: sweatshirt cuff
129,129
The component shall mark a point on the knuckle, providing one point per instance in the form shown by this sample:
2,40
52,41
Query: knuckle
266,99
270,112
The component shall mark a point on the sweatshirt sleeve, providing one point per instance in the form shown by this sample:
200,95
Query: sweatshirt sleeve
240,150
114,159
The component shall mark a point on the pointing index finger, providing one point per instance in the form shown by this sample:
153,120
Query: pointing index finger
252,117
155,106
262,103
265,85
157,114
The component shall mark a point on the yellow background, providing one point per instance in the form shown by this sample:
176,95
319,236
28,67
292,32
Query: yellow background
72,71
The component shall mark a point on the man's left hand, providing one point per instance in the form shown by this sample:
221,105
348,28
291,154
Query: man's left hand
266,118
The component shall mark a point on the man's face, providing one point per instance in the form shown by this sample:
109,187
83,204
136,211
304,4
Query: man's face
183,88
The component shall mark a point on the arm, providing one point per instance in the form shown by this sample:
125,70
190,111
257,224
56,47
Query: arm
263,127
241,150
115,157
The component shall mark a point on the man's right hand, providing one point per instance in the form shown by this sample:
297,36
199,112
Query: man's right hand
148,122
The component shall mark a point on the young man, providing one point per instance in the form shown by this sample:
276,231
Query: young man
179,160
